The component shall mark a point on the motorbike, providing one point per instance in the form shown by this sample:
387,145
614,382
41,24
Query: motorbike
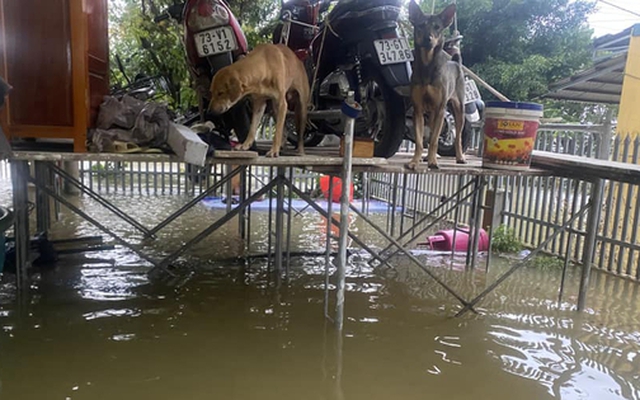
213,39
357,47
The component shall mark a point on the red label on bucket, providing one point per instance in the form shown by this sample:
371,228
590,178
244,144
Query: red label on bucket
509,142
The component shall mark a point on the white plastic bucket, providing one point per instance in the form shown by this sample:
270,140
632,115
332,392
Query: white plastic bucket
510,131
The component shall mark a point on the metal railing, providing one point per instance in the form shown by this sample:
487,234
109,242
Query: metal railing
536,206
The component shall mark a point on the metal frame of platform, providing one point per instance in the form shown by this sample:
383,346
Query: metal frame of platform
282,187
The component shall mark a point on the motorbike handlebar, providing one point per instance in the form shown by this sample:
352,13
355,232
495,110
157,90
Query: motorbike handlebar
161,17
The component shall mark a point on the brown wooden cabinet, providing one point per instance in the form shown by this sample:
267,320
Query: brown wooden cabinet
55,55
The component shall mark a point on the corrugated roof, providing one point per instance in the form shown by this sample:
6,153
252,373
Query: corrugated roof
602,83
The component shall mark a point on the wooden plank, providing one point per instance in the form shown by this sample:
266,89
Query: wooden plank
234,154
586,168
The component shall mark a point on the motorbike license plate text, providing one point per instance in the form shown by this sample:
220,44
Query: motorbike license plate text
471,92
393,51
215,41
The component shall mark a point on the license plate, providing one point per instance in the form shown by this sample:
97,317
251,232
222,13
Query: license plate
215,41
471,92
393,51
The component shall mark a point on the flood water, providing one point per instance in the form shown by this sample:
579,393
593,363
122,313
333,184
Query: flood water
96,328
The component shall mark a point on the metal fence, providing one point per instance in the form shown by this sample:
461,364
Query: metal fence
536,206
158,178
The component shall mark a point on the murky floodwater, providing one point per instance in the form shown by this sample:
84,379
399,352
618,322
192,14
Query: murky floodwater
95,328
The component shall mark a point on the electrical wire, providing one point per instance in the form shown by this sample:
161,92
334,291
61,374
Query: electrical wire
619,8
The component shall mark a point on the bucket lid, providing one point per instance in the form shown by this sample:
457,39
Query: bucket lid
514,105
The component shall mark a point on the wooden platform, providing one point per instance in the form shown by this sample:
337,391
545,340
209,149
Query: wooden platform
327,160
586,168
329,163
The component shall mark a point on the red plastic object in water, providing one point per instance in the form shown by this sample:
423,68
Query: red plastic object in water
337,189
443,240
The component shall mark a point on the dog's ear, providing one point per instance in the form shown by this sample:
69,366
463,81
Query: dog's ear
416,16
448,15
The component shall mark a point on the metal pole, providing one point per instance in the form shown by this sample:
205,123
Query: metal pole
289,221
215,226
430,216
424,230
190,204
477,220
19,177
472,211
242,219
597,189
42,200
456,217
524,261
414,259
280,218
71,181
403,202
270,223
394,201
350,109
229,188
334,221
95,223
567,258
327,259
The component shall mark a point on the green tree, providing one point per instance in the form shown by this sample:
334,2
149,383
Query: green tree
521,46
153,49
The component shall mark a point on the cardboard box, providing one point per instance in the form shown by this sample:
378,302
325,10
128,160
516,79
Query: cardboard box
362,147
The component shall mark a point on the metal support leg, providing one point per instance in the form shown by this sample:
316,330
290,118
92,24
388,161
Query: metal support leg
279,248
381,255
477,220
192,203
242,223
524,261
289,221
19,177
215,226
327,259
456,217
347,165
334,221
43,206
474,204
414,259
95,223
71,181
270,223
593,224
229,188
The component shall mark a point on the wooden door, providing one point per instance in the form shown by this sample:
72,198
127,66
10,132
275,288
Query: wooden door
44,52
98,55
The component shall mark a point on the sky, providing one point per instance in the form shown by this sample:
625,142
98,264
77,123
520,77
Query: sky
608,19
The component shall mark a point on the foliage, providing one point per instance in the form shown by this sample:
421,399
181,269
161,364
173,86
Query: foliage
546,262
518,46
504,240
145,47
153,49
521,46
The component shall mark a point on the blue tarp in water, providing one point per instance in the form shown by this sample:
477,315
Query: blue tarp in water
297,204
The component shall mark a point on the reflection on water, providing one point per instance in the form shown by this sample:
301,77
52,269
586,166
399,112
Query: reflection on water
95,328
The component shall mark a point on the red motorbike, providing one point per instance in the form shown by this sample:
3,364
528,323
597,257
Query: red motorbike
213,39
